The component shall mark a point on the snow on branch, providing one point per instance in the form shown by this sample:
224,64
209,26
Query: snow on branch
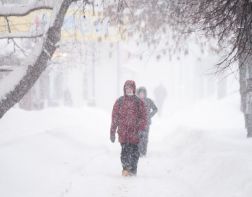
23,10
20,35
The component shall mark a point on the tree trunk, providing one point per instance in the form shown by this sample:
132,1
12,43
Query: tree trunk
245,71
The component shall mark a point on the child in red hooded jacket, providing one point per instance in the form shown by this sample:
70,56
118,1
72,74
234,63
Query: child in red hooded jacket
129,118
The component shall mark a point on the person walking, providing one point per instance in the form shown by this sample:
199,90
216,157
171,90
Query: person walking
151,109
129,119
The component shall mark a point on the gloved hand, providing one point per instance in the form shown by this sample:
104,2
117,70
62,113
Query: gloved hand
112,138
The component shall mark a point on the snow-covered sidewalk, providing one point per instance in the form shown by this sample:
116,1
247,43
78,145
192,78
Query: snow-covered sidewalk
199,152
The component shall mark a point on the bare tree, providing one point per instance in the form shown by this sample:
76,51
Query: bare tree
230,21
37,63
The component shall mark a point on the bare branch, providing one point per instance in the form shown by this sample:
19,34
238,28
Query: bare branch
19,47
23,10
8,24
20,35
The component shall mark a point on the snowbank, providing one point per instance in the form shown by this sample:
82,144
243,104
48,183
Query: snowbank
200,151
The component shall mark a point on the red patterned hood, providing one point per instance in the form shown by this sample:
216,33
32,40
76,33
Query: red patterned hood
130,83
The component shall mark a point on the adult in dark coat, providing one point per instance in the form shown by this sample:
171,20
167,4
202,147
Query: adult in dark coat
151,109
129,119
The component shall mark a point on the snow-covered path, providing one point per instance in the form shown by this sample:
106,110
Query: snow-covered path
67,153
53,163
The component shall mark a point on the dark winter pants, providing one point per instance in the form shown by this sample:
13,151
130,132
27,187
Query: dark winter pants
144,138
130,157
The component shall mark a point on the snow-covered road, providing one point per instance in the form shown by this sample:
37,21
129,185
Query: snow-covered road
67,153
